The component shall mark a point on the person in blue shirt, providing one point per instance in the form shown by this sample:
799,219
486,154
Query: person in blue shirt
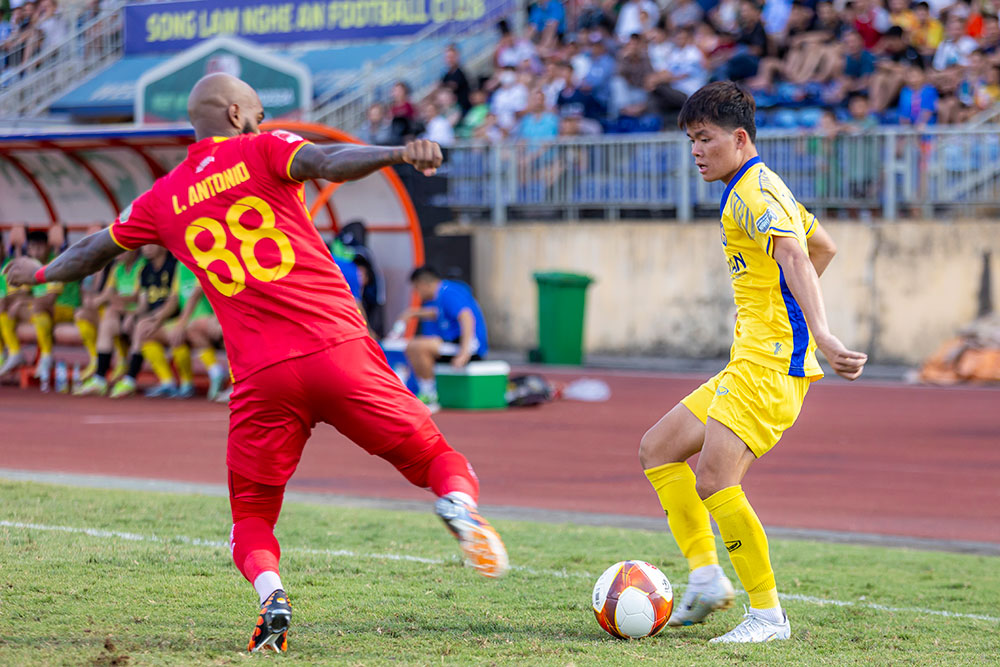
350,271
545,11
452,329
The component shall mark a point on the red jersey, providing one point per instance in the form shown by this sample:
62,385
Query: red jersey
232,213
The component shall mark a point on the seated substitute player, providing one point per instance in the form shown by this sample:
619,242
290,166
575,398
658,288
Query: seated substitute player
195,328
298,349
118,299
741,413
51,304
453,329
145,325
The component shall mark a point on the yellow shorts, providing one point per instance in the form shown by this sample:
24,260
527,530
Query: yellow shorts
756,403
62,313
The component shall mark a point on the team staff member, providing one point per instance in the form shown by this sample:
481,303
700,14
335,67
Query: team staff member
145,325
298,349
453,329
740,414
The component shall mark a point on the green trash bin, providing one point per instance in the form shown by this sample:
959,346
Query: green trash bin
562,299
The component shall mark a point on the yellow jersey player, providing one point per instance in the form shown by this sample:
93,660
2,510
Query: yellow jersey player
775,251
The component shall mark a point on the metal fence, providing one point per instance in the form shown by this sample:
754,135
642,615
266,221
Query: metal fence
886,173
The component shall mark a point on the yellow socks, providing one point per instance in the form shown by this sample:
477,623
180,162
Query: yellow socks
747,544
182,360
686,514
157,358
43,330
9,334
88,334
208,358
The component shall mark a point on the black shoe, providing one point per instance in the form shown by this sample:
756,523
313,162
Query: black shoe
272,624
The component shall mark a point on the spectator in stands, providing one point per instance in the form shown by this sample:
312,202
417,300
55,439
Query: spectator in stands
901,15
829,22
629,21
548,15
629,96
574,124
5,32
448,105
751,45
553,81
685,13
987,93
775,16
538,122
871,21
860,115
956,46
684,72
475,117
601,68
859,64
403,114
918,99
927,31
452,329
454,78
590,14
490,130
436,125
513,51
989,41
52,24
890,69
572,94
510,99
377,129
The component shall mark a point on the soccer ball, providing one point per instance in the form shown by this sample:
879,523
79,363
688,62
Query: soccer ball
632,599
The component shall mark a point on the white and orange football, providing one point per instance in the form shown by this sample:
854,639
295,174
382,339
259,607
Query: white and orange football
632,599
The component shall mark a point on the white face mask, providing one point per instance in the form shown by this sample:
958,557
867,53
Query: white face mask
507,78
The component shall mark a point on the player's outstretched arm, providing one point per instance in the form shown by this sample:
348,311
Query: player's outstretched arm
349,162
801,278
88,255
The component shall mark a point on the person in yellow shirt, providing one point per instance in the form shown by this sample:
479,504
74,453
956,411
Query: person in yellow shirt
775,251
926,32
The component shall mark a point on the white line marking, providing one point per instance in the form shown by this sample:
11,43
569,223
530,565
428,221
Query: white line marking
345,553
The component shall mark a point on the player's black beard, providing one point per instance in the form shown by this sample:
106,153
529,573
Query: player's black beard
247,128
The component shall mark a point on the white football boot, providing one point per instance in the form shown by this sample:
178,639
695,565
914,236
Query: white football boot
755,630
700,600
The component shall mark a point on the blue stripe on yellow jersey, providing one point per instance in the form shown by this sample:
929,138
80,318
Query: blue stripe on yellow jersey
771,329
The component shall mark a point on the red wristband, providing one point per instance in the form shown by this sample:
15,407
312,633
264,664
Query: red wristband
40,275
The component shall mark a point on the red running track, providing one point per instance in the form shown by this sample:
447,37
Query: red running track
873,458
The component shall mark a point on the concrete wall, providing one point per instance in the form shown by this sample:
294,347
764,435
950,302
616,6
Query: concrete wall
895,290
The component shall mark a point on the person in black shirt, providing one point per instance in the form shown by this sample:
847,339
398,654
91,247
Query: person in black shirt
157,302
751,45
455,78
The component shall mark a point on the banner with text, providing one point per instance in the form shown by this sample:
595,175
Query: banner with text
173,26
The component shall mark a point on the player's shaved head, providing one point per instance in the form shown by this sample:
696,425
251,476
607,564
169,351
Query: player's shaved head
222,105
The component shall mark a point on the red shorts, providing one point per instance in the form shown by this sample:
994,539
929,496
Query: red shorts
349,386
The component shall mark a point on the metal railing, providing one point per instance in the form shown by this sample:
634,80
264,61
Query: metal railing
28,89
890,173
416,61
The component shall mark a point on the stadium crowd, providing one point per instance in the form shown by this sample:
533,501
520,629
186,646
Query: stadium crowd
27,28
586,67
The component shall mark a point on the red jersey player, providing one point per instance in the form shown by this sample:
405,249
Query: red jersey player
233,212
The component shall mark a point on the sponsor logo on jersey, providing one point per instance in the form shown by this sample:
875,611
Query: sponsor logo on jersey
765,221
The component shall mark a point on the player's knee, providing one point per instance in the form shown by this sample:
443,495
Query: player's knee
649,445
708,482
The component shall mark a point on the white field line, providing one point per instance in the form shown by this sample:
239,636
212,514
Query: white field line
345,553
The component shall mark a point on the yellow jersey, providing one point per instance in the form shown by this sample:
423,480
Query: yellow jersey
770,327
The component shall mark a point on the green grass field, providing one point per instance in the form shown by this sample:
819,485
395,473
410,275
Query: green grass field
111,578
